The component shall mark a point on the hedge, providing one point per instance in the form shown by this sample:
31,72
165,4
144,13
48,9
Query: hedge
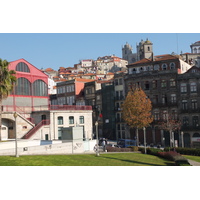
174,156
185,151
169,155
116,149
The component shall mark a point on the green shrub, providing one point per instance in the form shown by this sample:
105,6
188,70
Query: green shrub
174,156
184,151
151,151
134,148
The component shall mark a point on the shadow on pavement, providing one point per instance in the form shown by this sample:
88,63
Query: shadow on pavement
139,163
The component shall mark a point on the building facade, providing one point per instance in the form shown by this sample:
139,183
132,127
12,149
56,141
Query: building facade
31,89
158,78
34,117
189,106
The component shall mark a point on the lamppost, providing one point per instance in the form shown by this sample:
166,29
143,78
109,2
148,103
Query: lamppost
144,130
15,116
182,142
97,138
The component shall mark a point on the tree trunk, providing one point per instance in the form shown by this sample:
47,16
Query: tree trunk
170,138
137,137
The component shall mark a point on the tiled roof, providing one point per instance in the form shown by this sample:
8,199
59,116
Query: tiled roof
144,60
157,58
49,69
84,80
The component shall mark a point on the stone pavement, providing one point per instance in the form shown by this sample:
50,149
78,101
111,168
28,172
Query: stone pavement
193,163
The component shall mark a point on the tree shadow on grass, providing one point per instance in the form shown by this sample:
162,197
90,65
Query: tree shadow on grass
140,163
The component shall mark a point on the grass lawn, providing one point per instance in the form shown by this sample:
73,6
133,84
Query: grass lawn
114,159
195,158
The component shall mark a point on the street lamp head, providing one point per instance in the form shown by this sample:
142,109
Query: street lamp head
15,115
96,123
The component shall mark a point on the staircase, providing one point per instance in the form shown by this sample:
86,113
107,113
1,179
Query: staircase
35,129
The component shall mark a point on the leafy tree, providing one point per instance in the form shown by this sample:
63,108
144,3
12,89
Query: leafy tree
136,110
7,81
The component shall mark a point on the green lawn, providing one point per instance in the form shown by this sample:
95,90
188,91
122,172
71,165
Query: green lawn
195,158
114,159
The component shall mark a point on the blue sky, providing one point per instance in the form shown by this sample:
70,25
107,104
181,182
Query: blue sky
54,50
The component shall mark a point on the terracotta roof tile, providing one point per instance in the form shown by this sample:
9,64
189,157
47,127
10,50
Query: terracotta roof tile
84,80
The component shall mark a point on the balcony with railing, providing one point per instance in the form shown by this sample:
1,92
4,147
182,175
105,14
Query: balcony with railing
29,109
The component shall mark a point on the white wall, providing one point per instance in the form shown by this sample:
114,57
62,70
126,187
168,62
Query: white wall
34,147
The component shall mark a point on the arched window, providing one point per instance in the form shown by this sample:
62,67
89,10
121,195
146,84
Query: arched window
22,67
164,67
134,71
40,88
172,65
195,50
23,87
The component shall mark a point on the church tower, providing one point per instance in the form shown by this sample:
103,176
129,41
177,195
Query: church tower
127,53
145,49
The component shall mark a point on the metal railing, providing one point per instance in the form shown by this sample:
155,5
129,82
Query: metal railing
35,129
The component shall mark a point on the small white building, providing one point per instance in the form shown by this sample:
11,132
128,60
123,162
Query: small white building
59,117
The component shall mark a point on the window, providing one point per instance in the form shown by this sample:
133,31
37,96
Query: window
173,98
165,115
23,87
22,67
118,127
118,117
134,71
185,121
71,120
195,121
184,105
147,85
156,116
164,99
120,81
116,81
164,67
163,84
40,88
60,120
172,65
81,119
172,83
155,99
183,87
194,104
121,96
193,87
174,115
154,84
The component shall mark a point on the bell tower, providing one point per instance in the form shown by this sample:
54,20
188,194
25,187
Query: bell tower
127,52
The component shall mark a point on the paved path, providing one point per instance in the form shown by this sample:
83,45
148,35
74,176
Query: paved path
193,163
